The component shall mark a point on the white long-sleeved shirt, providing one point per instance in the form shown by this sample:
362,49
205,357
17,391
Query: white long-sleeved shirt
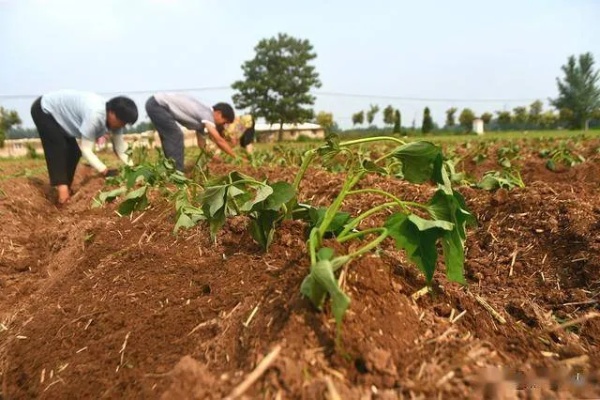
83,116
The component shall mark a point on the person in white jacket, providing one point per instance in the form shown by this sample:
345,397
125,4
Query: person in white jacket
66,116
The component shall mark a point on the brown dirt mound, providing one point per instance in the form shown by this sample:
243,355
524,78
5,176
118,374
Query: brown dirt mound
96,306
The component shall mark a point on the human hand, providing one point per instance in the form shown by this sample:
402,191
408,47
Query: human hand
110,172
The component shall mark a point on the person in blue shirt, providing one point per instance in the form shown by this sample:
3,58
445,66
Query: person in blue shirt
66,116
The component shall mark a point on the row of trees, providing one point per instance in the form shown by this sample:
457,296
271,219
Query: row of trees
278,80
391,117
521,117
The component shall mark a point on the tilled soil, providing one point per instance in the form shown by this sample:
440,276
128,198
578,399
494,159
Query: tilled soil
97,306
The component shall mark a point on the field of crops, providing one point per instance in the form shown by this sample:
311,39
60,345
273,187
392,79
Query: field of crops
353,269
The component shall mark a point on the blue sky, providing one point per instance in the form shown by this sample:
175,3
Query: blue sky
439,50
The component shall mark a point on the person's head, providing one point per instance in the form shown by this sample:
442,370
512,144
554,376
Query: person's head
223,113
120,111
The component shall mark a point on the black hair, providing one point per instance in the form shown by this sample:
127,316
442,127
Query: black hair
226,111
124,108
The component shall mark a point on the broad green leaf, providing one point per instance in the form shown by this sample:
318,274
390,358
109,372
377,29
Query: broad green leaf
423,224
103,197
181,199
418,238
283,192
188,218
440,173
216,222
184,221
453,208
322,281
234,191
130,205
178,178
313,290
505,162
418,160
317,215
127,207
261,194
213,198
132,175
302,212
138,193
494,180
489,182
262,227
323,274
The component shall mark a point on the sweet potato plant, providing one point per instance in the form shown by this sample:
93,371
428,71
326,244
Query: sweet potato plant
414,227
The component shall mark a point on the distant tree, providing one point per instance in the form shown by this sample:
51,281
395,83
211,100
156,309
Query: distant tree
22,133
325,119
566,115
579,91
520,115
548,119
140,127
427,126
397,121
388,115
358,118
373,110
450,118
504,118
278,80
535,112
486,117
466,118
8,119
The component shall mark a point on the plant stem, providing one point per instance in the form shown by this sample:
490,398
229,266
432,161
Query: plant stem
357,234
402,204
312,246
309,156
371,245
305,163
383,157
372,139
355,221
248,181
337,203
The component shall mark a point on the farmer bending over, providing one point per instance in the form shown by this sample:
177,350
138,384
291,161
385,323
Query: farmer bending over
165,110
64,116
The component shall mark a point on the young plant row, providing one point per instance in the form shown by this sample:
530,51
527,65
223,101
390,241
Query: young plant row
416,228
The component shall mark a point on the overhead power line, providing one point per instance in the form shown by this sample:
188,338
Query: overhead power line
317,93
376,96
32,96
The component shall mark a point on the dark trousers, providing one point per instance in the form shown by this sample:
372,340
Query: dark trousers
248,137
171,136
60,149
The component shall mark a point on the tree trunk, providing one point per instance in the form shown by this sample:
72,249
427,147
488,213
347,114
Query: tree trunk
280,134
586,124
